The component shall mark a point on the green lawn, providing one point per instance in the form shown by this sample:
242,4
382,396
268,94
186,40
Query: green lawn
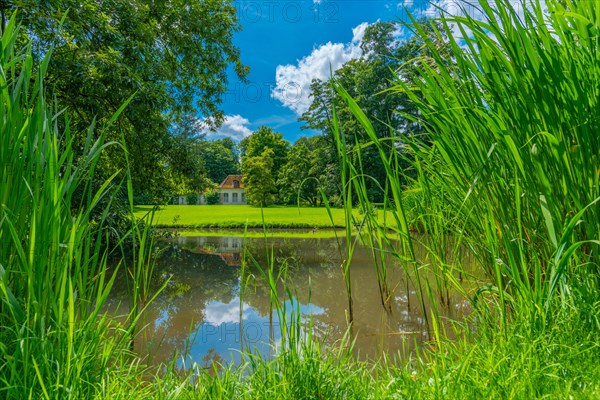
220,216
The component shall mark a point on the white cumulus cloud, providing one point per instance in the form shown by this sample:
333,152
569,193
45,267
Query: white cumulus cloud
234,126
292,82
217,313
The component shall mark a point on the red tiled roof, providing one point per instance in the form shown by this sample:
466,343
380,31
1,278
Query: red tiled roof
228,182
231,259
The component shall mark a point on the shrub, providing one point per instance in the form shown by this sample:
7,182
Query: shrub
192,198
212,197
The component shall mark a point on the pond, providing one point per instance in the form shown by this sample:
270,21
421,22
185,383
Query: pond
202,311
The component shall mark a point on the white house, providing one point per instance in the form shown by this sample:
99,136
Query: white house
231,190
183,200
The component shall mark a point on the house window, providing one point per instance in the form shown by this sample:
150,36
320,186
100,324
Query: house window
243,197
234,198
225,197
236,184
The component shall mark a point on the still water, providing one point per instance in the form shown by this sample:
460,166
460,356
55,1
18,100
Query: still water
200,312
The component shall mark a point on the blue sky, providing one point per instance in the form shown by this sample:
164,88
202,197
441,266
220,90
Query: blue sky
286,44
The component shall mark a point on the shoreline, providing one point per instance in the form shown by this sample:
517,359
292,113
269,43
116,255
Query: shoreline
299,233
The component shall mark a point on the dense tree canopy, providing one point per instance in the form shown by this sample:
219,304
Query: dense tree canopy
173,54
368,79
265,138
258,178
310,166
263,153
220,157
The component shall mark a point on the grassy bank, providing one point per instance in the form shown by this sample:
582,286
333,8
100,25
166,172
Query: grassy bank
220,216
259,233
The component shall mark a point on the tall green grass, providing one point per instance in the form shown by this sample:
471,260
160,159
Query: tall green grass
509,165
55,340
515,147
509,169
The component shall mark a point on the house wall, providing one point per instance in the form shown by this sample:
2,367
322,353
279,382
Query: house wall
227,196
182,200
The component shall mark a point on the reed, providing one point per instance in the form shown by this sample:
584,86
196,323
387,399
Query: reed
510,160
56,342
346,245
399,245
513,147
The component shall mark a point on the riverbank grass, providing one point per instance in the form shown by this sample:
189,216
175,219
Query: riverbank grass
260,234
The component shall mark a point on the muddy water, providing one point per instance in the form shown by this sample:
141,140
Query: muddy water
200,312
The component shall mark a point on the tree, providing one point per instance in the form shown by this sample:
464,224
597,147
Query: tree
258,178
293,176
189,175
368,80
309,167
172,54
265,138
220,158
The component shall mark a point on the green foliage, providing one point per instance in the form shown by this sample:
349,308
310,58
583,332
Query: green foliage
525,142
259,182
162,51
309,167
201,163
294,174
507,141
54,280
186,171
212,197
368,80
220,158
265,138
509,135
142,198
192,198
